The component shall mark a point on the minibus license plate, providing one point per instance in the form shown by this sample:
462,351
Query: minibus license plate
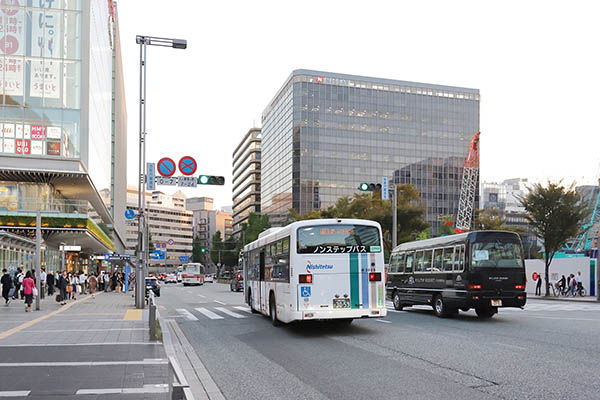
341,303
496,303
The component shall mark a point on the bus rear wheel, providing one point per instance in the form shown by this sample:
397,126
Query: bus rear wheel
486,313
439,307
250,301
396,300
273,310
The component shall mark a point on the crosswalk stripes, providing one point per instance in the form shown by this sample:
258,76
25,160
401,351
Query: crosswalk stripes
231,313
242,308
208,313
188,315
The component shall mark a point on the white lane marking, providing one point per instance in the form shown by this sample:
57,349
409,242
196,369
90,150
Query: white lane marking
151,361
393,310
220,302
159,388
511,346
202,296
245,309
208,313
566,319
15,393
226,311
384,321
188,315
162,307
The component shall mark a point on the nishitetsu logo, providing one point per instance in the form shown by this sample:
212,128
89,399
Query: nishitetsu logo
310,266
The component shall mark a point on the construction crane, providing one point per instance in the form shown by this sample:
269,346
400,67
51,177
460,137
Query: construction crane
468,189
585,239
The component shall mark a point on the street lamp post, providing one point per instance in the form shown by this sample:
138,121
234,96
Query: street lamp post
142,255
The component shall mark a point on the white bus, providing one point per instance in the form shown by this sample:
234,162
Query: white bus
328,269
192,274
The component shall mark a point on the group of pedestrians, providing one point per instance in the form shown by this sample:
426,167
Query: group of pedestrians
570,284
24,285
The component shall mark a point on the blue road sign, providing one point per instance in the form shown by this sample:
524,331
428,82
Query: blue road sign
150,176
187,165
116,257
184,258
166,167
129,213
158,255
305,291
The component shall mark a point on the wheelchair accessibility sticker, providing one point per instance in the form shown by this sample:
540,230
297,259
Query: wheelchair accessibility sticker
305,291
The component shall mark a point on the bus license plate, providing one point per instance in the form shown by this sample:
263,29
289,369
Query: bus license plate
341,303
496,303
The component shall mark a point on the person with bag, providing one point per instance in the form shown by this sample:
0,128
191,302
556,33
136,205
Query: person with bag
50,283
62,287
92,282
73,280
18,280
6,282
28,286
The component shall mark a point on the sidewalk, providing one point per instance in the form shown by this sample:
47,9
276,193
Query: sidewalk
90,348
587,299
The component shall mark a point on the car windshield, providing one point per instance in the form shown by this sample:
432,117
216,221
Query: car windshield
150,282
496,254
325,239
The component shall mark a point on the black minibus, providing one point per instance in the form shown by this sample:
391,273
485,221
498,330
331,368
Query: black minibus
484,270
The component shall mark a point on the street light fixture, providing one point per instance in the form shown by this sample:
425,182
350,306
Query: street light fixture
142,249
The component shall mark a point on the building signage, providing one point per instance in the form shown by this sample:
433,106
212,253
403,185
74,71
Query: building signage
385,195
12,43
184,258
116,257
70,248
150,177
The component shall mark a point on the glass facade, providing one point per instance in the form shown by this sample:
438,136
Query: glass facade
325,133
40,78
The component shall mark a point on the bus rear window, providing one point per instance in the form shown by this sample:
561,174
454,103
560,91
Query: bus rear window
496,254
329,239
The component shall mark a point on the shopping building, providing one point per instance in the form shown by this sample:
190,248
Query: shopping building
169,227
63,126
325,133
246,178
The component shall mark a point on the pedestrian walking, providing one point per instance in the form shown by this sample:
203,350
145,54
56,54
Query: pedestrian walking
573,286
18,280
92,281
43,278
106,279
83,282
73,281
50,282
7,283
538,286
562,284
28,285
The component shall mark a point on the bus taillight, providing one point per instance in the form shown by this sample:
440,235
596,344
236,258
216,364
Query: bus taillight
375,276
520,287
474,287
306,278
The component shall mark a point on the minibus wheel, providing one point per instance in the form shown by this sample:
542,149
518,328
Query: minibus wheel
396,300
439,307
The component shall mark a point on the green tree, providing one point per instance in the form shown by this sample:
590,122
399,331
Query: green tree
197,254
490,220
447,225
370,206
216,247
230,255
555,214
255,225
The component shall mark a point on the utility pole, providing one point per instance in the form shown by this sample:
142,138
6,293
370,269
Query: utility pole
38,258
395,216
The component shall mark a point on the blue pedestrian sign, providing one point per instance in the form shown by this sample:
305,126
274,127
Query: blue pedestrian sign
129,213
305,291
158,255
184,258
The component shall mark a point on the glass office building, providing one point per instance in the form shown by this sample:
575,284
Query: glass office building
62,113
324,133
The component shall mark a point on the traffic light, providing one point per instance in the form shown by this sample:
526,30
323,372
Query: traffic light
211,180
203,250
370,187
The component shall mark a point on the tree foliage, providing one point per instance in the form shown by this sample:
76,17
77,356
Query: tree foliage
197,255
255,225
490,220
370,206
555,214
216,247
447,225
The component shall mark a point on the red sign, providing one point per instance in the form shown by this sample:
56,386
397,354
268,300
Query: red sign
38,132
166,167
535,276
187,165
23,146
319,79
53,148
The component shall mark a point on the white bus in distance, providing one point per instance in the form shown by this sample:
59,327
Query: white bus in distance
192,274
328,269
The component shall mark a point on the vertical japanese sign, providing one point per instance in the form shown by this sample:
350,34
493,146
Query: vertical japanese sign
12,43
45,79
45,42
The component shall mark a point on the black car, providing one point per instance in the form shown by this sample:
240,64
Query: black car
237,283
152,284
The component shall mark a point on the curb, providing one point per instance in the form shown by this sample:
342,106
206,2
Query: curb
565,300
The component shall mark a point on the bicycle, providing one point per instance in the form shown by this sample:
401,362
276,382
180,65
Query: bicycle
581,291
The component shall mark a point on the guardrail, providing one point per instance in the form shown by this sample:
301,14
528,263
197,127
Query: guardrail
179,389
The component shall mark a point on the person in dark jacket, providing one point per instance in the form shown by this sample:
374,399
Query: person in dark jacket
50,283
63,282
6,282
538,286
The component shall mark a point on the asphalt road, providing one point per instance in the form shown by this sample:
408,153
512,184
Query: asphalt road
550,350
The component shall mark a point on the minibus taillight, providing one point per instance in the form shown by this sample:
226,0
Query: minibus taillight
239,276
306,278
474,287
520,287
375,276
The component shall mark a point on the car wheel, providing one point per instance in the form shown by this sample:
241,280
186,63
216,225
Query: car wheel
396,300
439,307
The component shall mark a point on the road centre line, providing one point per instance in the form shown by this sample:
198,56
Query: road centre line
220,302
231,313
384,321
208,313
511,346
15,393
152,361
566,319
158,388
202,296
188,315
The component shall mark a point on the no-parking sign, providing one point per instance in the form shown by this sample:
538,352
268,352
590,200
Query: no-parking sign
166,167
187,165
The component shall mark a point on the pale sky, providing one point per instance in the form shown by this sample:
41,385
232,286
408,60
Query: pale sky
536,64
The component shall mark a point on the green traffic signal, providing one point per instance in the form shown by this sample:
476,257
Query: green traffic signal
211,180
370,187
364,187
203,250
